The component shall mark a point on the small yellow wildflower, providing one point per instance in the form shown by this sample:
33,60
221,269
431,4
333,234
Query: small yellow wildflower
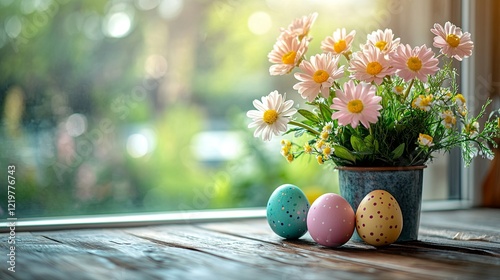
320,144
290,157
460,100
449,120
324,135
319,158
472,129
398,90
285,151
327,151
307,148
286,143
423,102
425,140
328,127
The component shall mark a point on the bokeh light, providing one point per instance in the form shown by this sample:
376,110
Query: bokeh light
259,23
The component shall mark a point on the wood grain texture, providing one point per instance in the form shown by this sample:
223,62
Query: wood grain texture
452,245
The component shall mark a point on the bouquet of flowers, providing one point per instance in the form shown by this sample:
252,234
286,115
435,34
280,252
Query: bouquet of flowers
387,104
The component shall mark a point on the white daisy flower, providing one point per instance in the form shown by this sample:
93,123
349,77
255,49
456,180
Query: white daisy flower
272,115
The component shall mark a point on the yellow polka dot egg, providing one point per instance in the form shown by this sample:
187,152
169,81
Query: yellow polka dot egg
331,220
379,219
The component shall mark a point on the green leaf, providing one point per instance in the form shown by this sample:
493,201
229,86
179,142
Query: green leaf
369,141
398,152
357,143
343,153
325,112
308,115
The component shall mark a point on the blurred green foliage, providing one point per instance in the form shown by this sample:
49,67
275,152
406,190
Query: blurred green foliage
162,70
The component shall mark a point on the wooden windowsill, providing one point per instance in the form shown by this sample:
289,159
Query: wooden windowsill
461,244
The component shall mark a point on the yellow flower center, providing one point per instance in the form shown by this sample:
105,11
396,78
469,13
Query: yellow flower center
320,76
399,89
381,45
289,57
339,46
450,120
414,63
319,158
307,148
453,40
355,106
373,68
270,116
426,101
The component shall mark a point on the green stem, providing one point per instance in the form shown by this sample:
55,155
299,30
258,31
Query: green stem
305,126
408,90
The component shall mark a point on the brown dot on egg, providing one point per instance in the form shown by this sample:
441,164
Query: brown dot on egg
364,208
363,225
378,240
392,216
396,226
371,233
381,234
378,212
371,216
381,216
361,216
374,204
364,236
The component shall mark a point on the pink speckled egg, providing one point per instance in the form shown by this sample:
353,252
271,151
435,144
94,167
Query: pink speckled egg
331,220
379,219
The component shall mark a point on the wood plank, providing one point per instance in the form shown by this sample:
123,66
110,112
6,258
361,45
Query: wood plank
419,258
452,245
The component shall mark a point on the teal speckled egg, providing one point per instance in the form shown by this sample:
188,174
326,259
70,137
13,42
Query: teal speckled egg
287,211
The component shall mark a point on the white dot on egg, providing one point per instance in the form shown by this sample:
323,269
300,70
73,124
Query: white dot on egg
343,220
336,206
322,223
330,229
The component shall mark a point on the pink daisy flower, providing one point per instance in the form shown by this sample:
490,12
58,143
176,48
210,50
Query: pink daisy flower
416,63
356,104
452,41
318,76
272,115
339,43
383,40
286,54
370,65
300,26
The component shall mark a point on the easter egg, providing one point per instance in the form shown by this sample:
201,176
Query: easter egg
379,220
331,220
287,211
